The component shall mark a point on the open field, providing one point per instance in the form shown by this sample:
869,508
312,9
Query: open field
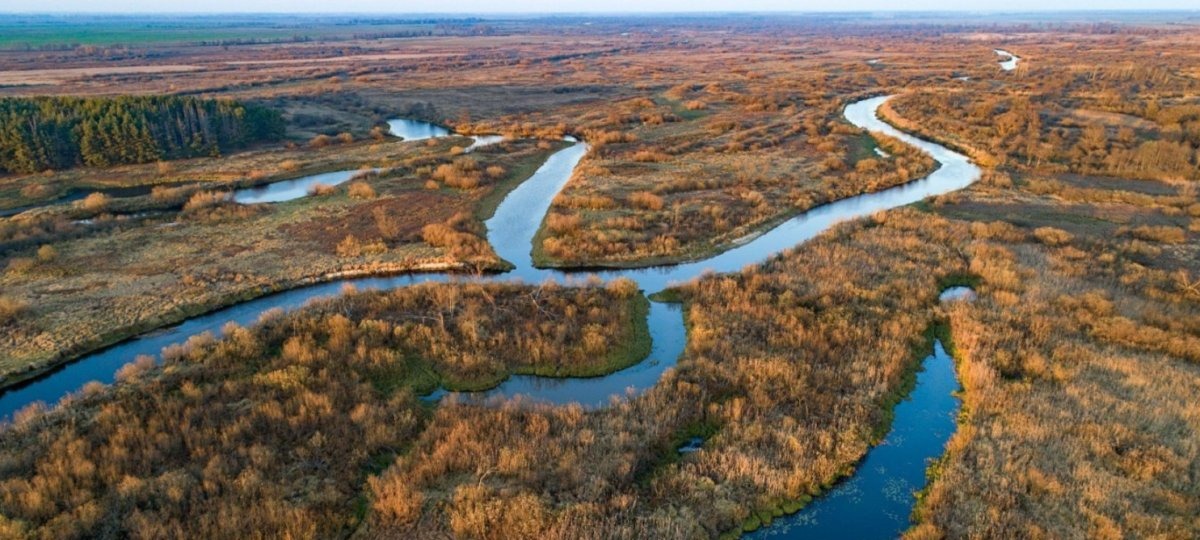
114,277
1079,361
72,31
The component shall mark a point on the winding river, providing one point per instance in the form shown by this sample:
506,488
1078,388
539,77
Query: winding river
511,231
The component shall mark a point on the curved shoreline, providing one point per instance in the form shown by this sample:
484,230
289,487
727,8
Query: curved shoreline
516,222
511,230
16,379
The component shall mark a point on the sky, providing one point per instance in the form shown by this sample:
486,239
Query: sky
571,6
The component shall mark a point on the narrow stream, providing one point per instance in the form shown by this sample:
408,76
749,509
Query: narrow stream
286,190
1009,61
406,129
79,194
416,130
283,190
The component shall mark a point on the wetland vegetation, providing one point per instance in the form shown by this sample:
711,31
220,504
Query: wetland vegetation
1078,357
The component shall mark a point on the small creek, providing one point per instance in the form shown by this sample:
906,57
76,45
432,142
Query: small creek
877,500
286,190
78,194
1009,61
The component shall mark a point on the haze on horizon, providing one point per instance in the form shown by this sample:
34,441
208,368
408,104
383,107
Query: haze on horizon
558,6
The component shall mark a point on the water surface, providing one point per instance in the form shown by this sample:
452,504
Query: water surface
511,231
874,503
1010,60
78,194
416,130
878,499
286,190
405,128
956,293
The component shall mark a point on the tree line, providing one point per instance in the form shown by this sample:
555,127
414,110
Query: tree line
40,133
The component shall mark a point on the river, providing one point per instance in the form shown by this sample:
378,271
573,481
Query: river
511,231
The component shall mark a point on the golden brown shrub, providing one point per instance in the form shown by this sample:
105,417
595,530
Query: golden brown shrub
361,190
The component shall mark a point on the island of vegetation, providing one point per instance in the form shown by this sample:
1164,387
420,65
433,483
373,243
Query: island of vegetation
1079,358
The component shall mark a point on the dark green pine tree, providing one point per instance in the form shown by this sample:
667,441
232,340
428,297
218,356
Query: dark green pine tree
61,132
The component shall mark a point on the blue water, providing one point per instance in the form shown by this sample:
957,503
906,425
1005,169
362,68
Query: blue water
286,190
877,501
957,293
511,231
874,503
1009,61
416,130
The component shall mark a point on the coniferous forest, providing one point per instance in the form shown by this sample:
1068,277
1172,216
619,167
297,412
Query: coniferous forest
41,133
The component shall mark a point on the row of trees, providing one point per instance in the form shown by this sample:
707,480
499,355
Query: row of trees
43,133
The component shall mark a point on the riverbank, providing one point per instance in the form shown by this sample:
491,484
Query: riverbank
903,165
39,367
309,230
669,390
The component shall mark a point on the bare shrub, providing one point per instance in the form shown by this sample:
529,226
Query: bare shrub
321,190
1052,236
1164,234
205,199
320,141
361,190
646,200
563,223
10,309
95,202
47,253
349,247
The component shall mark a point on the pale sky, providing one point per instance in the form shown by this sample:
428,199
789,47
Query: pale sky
571,6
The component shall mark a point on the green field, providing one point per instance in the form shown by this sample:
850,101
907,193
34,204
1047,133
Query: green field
56,32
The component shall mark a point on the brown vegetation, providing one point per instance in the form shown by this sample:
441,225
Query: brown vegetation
1078,360
273,428
117,277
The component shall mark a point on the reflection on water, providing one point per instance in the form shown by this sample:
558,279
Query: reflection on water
511,231
957,293
415,130
877,500
286,190
1010,60
874,503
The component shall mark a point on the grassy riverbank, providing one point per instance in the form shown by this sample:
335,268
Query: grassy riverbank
632,204
102,288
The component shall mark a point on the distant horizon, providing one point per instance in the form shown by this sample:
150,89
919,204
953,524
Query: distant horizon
634,7
603,13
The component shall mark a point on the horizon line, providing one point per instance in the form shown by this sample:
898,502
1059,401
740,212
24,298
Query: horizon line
964,11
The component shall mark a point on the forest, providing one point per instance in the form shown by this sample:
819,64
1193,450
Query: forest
42,133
